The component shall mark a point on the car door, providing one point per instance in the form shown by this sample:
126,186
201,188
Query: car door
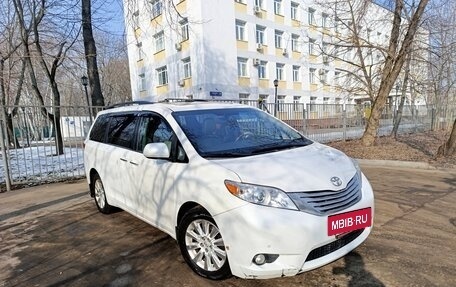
121,136
153,187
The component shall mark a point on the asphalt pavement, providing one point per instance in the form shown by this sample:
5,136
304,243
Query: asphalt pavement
53,235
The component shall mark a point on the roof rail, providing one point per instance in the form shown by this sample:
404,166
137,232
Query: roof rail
177,100
126,104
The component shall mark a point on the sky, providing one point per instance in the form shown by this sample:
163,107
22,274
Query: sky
108,16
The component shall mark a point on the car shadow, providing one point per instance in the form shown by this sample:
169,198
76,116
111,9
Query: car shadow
355,270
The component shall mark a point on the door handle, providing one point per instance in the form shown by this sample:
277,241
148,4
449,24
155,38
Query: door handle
134,163
123,159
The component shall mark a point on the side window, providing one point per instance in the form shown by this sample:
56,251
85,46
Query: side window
121,131
99,129
154,130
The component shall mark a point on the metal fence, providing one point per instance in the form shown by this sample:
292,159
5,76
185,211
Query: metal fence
30,152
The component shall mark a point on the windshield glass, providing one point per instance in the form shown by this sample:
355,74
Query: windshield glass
236,132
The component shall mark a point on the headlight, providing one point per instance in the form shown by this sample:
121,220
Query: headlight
263,195
358,172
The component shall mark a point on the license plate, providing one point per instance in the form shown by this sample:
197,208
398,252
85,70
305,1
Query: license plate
349,221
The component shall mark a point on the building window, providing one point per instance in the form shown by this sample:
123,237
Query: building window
136,19
260,34
312,75
279,72
311,17
278,38
187,64
162,74
278,7
337,78
294,10
240,1
244,99
296,73
312,46
157,8
242,67
313,102
259,3
140,51
142,80
324,20
294,42
184,29
262,70
240,30
324,76
159,41
296,100
324,48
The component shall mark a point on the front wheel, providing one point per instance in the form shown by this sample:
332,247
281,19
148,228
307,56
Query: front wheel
202,245
100,195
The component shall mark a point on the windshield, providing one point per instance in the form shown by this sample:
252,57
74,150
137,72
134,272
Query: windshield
236,132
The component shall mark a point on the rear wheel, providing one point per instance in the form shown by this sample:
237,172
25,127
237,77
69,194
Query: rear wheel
100,195
202,245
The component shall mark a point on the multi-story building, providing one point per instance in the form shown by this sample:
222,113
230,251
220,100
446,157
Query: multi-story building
226,49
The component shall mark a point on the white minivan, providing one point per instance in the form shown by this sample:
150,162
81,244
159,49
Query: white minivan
241,192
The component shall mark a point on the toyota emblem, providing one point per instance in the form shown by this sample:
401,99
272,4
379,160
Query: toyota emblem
336,181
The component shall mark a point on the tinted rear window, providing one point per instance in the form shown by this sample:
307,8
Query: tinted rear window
99,129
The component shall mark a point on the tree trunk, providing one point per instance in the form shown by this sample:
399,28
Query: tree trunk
394,61
90,51
398,115
449,147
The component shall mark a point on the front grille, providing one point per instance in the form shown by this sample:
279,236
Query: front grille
325,202
333,246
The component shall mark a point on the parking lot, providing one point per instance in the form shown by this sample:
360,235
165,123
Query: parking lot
53,235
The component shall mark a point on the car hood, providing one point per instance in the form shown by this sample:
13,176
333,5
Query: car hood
294,170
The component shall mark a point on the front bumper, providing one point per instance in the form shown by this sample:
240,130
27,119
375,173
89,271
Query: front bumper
254,229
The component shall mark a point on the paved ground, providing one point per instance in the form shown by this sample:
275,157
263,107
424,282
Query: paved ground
53,236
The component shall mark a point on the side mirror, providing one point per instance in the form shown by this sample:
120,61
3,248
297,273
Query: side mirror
156,150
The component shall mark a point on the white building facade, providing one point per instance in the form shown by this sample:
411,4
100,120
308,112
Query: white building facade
227,49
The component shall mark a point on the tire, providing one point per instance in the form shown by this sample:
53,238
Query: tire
100,196
202,246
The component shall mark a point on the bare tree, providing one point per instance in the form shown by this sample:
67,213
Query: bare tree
396,56
31,18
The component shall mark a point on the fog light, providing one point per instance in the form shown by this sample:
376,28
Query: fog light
259,259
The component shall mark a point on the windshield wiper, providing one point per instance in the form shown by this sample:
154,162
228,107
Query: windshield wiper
225,154
300,142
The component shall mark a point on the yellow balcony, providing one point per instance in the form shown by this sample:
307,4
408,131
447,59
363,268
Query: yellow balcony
242,45
282,84
280,19
244,81
313,87
297,86
279,52
161,90
296,55
157,21
142,94
137,32
160,56
326,88
188,82
240,7
295,23
181,7
185,45
263,83
140,63
313,59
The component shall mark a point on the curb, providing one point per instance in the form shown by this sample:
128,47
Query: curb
402,164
